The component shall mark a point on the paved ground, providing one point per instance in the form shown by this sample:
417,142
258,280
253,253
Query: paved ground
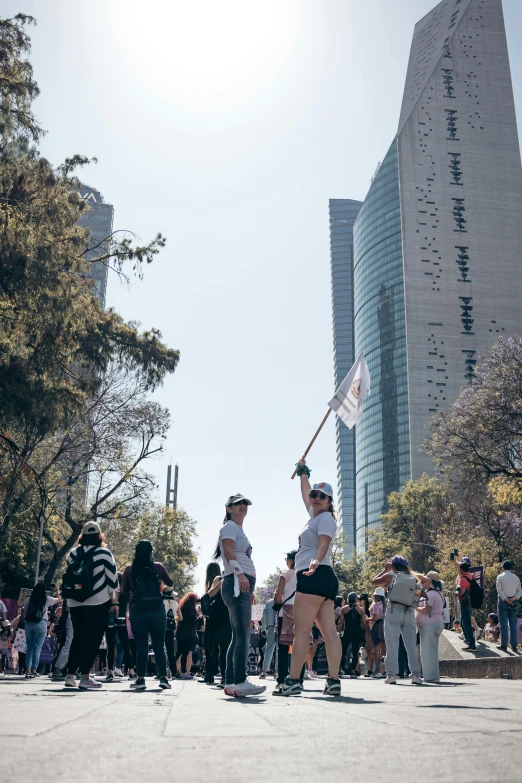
468,730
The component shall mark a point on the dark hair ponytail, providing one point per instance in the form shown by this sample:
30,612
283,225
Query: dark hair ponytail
217,551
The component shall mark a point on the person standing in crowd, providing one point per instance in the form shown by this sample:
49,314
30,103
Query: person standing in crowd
316,585
64,634
377,612
218,632
19,641
3,615
142,582
464,598
430,623
268,622
89,613
173,616
509,593
36,615
338,605
186,632
352,624
400,618
284,603
369,648
237,589
117,631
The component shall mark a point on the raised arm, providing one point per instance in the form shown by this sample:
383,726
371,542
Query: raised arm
305,486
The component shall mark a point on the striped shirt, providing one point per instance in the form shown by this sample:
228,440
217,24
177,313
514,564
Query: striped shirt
105,576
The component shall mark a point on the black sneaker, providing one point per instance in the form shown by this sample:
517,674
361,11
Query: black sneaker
109,678
278,690
332,687
139,684
57,677
291,687
164,683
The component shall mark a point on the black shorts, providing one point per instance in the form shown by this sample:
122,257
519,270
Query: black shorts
323,582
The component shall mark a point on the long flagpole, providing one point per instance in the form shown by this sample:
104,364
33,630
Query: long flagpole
313,439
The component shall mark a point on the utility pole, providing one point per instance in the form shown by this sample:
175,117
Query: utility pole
171,497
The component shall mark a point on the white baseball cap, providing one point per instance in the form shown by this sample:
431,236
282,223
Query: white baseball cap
380,591
91,527
237,499
324,487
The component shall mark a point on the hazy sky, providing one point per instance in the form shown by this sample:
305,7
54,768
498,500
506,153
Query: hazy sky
227,126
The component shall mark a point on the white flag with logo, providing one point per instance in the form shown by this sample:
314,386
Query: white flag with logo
348,400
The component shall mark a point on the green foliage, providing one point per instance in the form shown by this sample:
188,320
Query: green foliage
349,571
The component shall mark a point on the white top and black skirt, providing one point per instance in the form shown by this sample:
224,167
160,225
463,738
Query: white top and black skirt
323,582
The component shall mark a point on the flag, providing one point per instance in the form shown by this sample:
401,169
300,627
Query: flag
348,400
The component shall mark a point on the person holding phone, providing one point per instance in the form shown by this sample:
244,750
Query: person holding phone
237,590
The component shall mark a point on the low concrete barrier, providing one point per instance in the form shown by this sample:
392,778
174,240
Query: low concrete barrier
483,668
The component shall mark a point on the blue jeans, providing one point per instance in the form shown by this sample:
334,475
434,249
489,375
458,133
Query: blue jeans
240,611
507,616
270,647
35,634
465,621
154,622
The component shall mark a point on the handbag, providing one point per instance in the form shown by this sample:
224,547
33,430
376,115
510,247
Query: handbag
278,607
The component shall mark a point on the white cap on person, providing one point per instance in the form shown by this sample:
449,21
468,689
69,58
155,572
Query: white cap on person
323,487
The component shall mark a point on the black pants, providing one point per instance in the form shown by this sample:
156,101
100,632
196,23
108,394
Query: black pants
169,645
123,636
89,624
283,658
184,648
132,649
143,623
21,663
354,640
217,642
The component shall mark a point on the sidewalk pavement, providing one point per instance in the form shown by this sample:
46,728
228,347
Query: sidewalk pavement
195,733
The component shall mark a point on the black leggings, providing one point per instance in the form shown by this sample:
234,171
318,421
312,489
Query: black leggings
123,636
217,642
169,646
283,658
354,640
184,648
89,624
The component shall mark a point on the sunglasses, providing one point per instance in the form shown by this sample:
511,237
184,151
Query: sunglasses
314,494
239,503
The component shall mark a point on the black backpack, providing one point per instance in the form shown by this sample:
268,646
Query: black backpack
147,594
33,615
78,579
171,620
476,593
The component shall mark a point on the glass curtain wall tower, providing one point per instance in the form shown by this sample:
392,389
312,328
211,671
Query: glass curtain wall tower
343,213
98,220
437,244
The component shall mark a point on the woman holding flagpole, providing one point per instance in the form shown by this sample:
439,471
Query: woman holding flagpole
317,585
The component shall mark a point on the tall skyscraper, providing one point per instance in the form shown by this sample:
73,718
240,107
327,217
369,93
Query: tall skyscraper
343,213
437,243
99,221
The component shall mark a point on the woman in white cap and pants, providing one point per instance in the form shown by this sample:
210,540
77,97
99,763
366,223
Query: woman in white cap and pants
237,590
317,585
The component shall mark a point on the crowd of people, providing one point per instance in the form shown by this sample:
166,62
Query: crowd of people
131,624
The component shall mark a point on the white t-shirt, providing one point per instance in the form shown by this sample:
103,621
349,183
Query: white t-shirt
290,578
49,601
3,607
242,548
322,525
170,603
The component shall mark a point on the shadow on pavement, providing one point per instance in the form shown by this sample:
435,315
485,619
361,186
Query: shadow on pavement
460,707
343,699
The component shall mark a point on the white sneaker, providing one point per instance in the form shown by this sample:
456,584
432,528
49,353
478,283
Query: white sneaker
313,676
70,681
117,672
391,680
307,675
416,680
248,689
230,690
89,685
378,676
